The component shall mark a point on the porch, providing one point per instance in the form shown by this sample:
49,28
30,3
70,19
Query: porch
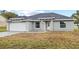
41,26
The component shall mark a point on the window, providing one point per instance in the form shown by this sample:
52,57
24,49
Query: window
37,24
62,24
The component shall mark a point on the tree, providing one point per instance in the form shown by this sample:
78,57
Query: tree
76,16
8,14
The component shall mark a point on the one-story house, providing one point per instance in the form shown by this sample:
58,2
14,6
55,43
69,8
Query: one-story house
41,22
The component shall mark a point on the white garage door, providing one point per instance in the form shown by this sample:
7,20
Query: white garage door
17,27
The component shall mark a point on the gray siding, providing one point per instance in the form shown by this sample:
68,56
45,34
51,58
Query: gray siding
30,26
69,26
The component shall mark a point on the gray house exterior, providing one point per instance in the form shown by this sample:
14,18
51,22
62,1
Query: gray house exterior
41,23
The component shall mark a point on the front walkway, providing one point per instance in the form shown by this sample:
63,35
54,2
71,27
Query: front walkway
3,34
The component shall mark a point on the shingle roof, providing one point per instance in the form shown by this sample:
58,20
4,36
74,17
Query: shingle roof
44,15
22,17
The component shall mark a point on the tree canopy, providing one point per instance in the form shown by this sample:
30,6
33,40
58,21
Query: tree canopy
8,15
76,16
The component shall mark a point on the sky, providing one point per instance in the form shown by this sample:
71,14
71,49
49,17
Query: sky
30,7
30,12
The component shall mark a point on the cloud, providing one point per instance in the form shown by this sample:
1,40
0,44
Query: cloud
27,12
35,12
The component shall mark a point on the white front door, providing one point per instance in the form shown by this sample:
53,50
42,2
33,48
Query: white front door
47,25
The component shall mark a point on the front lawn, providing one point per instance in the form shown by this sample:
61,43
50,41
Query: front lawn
49,40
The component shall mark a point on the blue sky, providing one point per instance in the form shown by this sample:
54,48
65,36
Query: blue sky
63,12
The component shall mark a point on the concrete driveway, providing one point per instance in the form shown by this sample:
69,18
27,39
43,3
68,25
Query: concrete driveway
3,34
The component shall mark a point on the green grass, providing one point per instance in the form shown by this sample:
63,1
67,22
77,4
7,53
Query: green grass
37,44
24,44
55,40
3,29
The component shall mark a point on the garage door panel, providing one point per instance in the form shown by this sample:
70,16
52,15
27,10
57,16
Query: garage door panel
17,27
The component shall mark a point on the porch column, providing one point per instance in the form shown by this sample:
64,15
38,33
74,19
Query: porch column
52,25
28,26
43,26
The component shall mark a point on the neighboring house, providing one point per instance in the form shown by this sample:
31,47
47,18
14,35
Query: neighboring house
41,22
3,21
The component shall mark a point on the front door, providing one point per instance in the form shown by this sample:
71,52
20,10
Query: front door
47,25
